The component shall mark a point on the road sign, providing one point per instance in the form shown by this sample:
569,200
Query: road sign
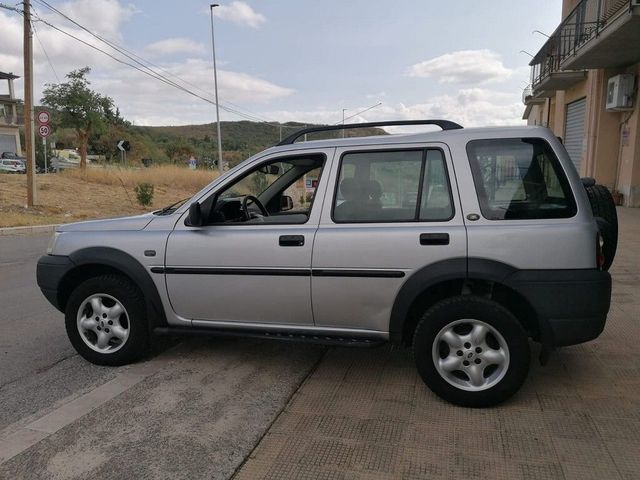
44,131
43,118
124,146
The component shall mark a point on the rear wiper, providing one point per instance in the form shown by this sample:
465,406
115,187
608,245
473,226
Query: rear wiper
172,207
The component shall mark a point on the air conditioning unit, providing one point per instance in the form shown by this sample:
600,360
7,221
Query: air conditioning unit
620,90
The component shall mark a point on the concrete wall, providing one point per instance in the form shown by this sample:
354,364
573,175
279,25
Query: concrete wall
628,181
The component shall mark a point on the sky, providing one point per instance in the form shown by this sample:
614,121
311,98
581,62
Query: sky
295,60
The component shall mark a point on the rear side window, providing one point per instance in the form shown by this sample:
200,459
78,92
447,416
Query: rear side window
393,186
519,179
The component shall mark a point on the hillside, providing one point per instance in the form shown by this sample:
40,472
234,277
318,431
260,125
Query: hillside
175,144
239,139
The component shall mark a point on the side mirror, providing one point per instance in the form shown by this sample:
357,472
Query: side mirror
195,215
286,203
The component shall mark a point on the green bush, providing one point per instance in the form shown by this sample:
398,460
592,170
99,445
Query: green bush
144,193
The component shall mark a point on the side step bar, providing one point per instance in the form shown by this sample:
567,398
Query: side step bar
320,339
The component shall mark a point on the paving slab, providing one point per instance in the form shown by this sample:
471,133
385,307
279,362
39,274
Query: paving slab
365,414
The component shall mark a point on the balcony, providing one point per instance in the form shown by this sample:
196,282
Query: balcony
528,97
602,34
596,34
11,120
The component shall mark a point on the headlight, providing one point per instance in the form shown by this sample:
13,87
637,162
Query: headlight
52,242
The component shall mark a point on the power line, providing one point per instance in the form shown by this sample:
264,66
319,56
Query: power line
154,74
45,51
10,8
360,112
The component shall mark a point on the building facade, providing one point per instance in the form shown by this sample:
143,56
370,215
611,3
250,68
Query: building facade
584,87
10,122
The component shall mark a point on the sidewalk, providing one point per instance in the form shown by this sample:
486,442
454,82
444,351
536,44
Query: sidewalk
365,414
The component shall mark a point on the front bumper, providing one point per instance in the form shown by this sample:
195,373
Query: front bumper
572,304
49,273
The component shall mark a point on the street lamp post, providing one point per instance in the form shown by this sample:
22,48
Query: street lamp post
343,110
215,85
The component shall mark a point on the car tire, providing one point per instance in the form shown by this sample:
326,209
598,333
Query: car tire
106,322
604,207
471,351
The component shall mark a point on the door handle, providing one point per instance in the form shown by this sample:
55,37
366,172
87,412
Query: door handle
434,239
291,240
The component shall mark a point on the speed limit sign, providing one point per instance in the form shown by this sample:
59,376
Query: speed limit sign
43,117
44,131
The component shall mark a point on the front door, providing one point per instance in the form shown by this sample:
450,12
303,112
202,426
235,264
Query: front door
392,212
251,262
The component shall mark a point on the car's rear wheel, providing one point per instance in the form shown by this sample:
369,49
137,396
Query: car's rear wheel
471,351
105,320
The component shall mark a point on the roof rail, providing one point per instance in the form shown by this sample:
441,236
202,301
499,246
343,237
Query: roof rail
443,124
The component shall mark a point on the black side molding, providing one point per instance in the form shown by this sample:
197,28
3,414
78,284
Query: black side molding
319,272
283,272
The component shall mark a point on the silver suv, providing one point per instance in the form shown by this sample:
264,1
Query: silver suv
463,243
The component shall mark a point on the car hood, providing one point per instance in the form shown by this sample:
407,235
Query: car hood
136,222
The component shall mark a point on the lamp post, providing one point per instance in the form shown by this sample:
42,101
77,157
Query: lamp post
215,85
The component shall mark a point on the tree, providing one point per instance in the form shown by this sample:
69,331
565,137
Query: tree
78,107
178,150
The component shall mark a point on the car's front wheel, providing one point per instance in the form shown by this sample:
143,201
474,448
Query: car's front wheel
471,351
105,320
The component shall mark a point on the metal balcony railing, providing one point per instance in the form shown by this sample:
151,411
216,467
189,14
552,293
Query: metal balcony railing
584,23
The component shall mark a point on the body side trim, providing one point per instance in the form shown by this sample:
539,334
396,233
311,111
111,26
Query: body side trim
288,272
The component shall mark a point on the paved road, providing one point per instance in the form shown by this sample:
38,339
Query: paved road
39,366
194,410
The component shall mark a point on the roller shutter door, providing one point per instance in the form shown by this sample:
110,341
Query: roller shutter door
574,130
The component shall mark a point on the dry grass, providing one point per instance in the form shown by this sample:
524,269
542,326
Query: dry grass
99,193
159,176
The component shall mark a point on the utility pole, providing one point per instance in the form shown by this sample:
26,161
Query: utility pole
343,110
29,128
215,84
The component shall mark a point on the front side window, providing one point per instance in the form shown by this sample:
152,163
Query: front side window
392,186
276,192
519,179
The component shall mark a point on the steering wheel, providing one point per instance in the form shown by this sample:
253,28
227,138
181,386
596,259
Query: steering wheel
245,210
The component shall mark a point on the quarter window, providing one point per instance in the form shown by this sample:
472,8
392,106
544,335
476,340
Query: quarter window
393,186
519,179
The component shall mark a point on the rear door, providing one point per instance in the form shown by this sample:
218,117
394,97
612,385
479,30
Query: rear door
520,208
388,212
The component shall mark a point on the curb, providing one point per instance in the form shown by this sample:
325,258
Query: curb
31,230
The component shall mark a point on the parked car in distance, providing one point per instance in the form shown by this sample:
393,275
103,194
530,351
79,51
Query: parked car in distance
11,156
464,244
12,166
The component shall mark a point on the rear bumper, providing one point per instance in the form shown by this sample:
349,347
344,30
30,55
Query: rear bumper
571,304
49,273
